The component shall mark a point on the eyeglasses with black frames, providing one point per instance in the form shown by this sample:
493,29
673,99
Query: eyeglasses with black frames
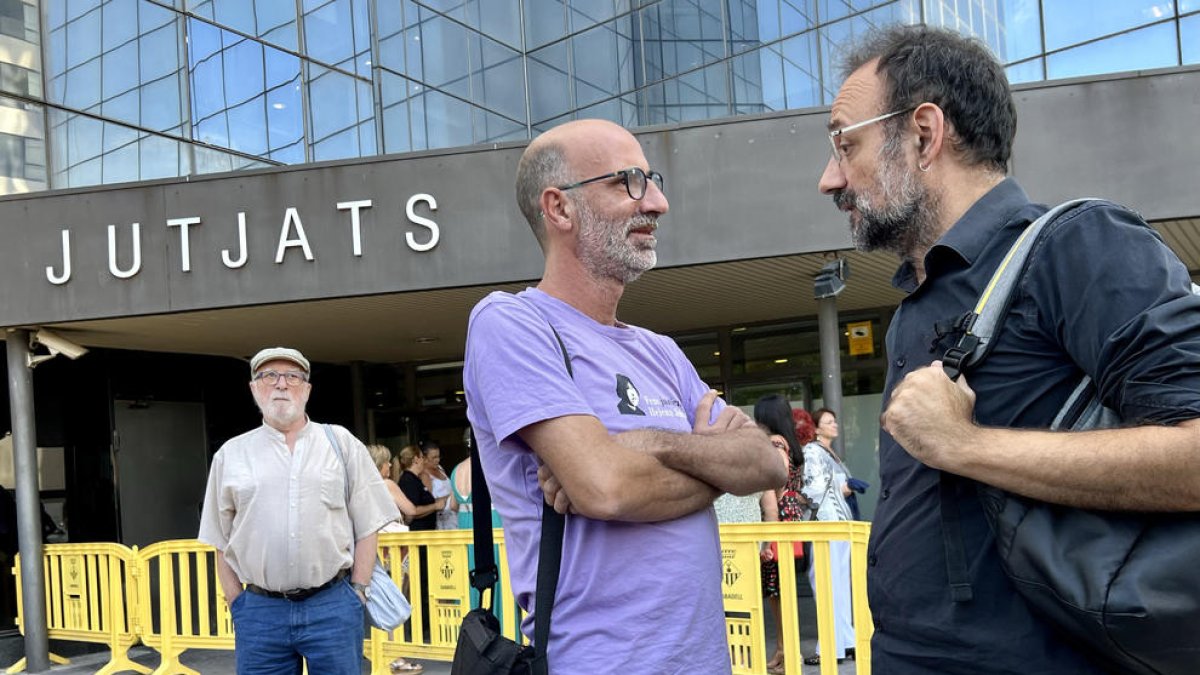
833,135
271,378
634,179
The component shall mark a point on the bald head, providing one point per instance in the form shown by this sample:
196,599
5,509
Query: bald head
553,159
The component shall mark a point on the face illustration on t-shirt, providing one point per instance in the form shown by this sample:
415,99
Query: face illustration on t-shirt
629,397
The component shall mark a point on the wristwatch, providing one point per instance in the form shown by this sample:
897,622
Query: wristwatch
365,589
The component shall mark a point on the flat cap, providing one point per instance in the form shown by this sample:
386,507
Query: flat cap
279,354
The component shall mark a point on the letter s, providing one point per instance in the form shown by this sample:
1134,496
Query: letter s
434,232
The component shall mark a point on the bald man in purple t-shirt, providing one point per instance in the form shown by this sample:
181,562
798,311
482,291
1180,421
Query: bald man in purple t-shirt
634,447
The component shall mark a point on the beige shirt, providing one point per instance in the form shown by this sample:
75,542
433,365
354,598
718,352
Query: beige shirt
280,517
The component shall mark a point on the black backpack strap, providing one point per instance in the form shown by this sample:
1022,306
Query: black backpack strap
952,540
979,328
549,562
485,575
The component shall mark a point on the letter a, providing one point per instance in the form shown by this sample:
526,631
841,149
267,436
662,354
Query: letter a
290,218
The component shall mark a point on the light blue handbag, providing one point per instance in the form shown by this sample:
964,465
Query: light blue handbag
387,607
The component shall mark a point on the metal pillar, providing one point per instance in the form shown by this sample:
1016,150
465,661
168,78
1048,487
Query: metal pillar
29,504
831,362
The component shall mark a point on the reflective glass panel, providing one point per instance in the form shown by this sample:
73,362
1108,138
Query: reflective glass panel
749,81
1189,35
545,22
497,80
162,103
121,164
120,22
800,75
394,99
272,20
245,95
489,127
82,89
829,10
440,121
583,14
680,35
1152,47
1028,71
604,63
837,37
1020,24
335,34
1064,26
549,82
337,108
158,53
248,126
83,38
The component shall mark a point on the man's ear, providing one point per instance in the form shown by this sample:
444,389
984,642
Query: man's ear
557,210
932,134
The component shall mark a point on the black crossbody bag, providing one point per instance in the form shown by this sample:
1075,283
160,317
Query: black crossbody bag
1120,584
482,649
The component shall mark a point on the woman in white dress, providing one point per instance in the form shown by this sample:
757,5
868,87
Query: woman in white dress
825,485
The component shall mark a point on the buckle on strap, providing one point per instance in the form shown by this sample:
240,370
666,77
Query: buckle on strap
955,358
484,578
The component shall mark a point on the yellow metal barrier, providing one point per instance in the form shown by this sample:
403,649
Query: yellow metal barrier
89,598
448,587
743,596
168,594
181,603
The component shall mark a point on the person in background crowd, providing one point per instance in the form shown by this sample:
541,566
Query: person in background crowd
775,413
295,521
438,483
825,487
412,467
382,457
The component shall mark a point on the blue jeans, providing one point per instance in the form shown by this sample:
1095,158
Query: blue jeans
272,634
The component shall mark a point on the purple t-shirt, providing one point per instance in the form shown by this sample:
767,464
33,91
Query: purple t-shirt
632,597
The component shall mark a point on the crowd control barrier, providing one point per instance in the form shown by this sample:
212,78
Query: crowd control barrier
168,596
180,602
91,596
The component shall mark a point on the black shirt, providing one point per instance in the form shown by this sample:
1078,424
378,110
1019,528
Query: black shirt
1104,296
414,489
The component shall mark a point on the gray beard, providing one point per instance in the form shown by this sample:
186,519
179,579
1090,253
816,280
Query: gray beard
604,249
281,419
906,221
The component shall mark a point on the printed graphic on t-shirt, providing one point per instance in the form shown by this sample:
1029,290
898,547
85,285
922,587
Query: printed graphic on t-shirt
628,397
630,401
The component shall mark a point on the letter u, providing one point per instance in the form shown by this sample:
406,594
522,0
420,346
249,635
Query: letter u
137,252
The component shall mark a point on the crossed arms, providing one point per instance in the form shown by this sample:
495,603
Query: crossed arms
649,475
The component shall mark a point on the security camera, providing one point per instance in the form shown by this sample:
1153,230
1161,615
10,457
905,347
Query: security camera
58,344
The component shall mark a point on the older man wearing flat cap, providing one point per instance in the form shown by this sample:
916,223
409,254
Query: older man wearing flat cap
293,508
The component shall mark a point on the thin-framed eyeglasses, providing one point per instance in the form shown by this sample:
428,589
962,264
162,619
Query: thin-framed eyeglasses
833,135
634,179
271,378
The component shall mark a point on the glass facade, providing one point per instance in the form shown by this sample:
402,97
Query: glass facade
140,89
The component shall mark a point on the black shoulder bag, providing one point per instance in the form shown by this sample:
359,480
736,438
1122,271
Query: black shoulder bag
482,649
1121,584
